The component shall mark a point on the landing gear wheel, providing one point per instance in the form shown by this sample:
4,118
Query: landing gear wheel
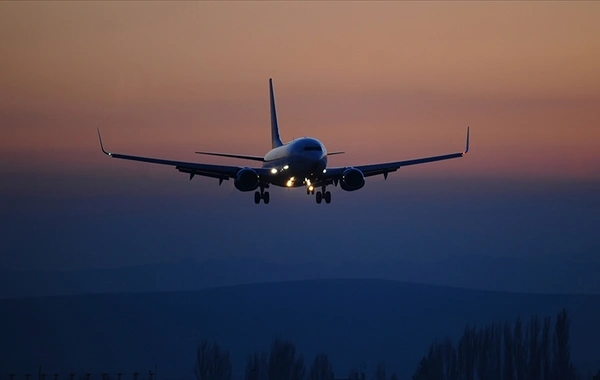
262,194
327,197
319,197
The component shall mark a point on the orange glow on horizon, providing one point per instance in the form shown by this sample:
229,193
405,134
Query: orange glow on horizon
381,81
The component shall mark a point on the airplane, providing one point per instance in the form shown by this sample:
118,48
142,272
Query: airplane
301,162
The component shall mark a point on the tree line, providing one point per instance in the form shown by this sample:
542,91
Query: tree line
537,350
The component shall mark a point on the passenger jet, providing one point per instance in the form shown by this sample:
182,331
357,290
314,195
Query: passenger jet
301,162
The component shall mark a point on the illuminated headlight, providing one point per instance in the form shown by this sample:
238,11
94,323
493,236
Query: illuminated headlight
286,167
311,188
289,183
274,171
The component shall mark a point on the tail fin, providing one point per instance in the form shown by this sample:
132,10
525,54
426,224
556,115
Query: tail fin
275,139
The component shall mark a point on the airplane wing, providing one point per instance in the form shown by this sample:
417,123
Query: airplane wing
334,174
221,172
242,156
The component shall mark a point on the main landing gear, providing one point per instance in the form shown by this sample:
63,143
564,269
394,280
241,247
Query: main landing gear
323,194
326,195
264,195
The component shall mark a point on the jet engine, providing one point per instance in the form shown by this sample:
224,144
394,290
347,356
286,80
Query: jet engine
352,179
246,180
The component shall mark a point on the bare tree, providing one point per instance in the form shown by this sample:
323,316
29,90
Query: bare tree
508,371
467,354
353,374
299,369
532,336
283,363
545,349
257,366
212,362
497,343
422,372
380,371
519,351
488,349
562,368
450,360
321,369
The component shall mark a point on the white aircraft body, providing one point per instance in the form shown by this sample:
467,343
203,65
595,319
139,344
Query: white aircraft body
301,162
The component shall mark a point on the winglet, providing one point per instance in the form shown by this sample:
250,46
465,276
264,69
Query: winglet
467,147
101,145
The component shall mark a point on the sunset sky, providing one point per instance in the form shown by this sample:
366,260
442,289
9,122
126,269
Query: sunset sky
382,81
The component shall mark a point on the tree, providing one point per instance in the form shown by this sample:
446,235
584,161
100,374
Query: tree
561,348
545,349
497,351
450,360
321,368
501,352
257,366
519,351
534,362
508,371
467,355
353,375
283,363
422,372
483,353
435,361
212,362
380,371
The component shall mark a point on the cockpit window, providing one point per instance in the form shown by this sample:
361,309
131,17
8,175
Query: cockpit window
313,147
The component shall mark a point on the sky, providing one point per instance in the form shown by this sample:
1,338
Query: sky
383,81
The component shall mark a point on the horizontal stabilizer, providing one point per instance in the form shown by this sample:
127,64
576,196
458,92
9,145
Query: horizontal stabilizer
245,157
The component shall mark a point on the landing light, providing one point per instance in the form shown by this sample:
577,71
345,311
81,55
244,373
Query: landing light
274,171
289,183
324,170
311,188
286,167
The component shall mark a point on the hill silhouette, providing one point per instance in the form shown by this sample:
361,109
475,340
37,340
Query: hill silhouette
353,321
564,274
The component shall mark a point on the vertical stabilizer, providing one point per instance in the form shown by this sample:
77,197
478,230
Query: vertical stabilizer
275,139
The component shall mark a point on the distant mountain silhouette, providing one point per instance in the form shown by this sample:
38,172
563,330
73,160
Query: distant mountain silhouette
353,321
533,275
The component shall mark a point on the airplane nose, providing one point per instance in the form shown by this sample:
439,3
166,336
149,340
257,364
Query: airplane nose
317,167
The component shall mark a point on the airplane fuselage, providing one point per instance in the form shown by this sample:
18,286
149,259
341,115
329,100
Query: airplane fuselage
295,162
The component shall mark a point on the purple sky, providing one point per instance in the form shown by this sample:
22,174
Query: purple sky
382,81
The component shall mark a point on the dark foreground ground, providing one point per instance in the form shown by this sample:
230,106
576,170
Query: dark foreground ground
353,321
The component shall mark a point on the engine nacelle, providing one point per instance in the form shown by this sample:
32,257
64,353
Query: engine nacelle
352,179
246,180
